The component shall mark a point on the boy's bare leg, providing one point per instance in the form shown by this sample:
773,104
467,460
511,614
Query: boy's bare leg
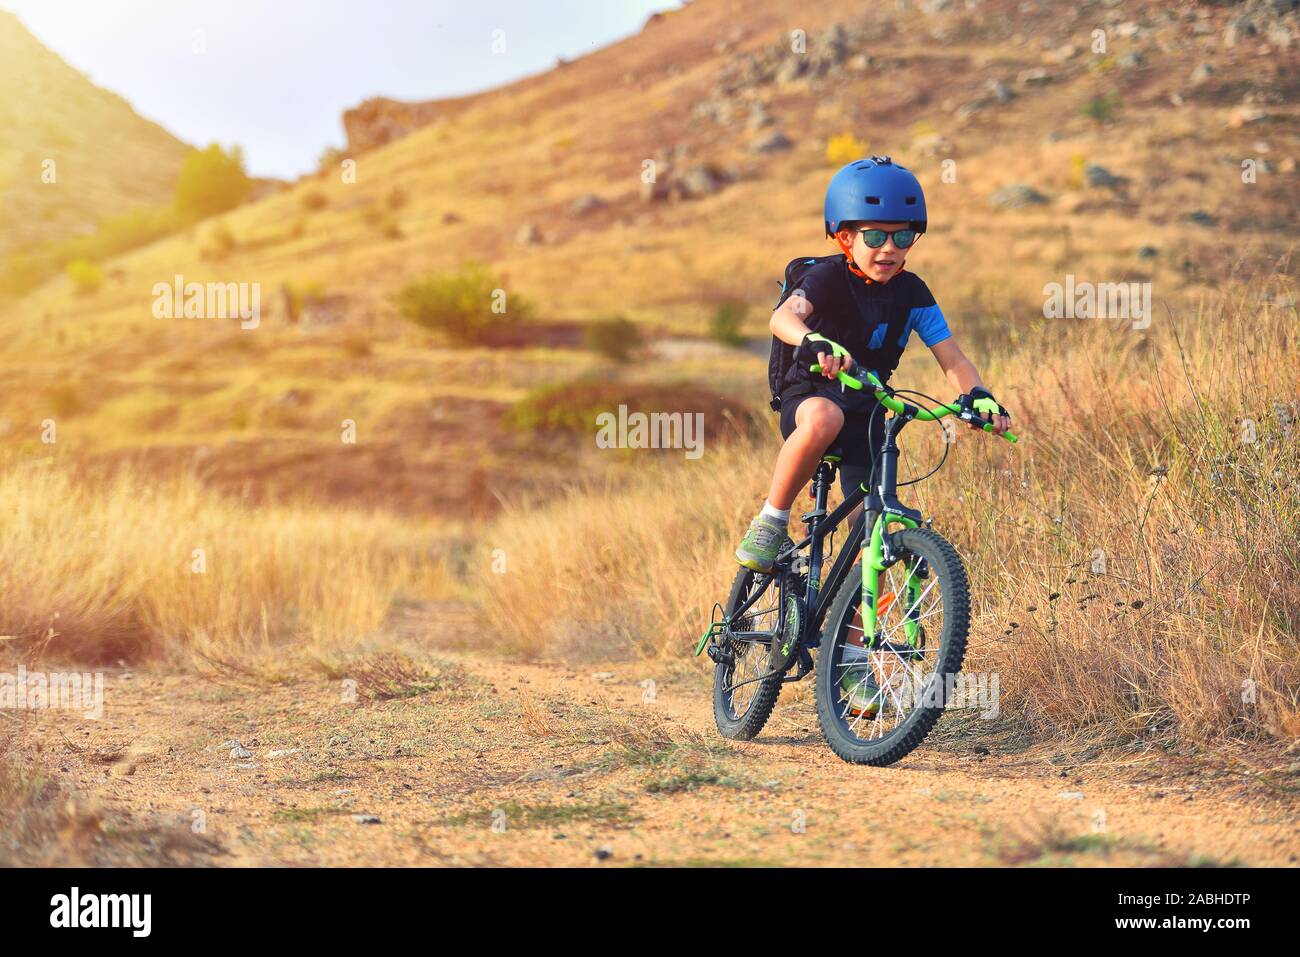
817,422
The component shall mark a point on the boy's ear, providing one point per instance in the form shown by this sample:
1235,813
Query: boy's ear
845,234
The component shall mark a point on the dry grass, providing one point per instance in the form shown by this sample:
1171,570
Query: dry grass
1132,447
111,567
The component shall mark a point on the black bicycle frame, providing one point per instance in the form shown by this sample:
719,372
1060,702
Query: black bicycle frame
883,498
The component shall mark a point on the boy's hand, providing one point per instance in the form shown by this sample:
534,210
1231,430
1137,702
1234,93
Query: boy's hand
981,400
819,350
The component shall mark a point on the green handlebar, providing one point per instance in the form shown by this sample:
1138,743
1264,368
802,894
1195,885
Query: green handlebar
895,406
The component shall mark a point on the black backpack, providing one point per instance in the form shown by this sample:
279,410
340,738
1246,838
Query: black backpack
781,356
883,359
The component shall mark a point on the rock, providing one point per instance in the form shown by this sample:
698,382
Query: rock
1147,252
282,753
773,142
970,109
1017,195
1097,175
380,120
586,203
1201,218
791,70
1128,29
528,234
604,853
1037,76
1001,92
1238,29
931,145
1071,795
366,818
240,753
860,63
603,675
655,190
1061,54
719,109
1202,73
699,181
1245,116
758,117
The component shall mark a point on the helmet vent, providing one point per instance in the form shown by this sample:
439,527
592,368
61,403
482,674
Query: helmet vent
910,200
873,200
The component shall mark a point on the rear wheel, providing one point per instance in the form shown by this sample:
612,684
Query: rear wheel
741,704
879,695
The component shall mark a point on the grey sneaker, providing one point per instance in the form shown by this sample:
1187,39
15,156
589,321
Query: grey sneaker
862,696
759,548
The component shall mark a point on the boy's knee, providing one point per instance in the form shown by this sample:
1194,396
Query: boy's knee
823,421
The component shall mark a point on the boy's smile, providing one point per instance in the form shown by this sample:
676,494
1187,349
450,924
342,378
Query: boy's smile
882,264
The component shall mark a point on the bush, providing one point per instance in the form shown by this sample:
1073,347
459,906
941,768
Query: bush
314,200
844,148
457,304
86,276
1101,109
211,181
614,338
726,323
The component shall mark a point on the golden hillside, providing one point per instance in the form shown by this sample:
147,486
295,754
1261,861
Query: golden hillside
1123,164
108,159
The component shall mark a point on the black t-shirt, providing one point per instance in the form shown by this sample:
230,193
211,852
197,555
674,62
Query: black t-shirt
871,320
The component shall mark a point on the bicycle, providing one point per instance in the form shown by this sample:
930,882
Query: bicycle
876,700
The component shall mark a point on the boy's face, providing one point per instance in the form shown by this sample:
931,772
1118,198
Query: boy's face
881,264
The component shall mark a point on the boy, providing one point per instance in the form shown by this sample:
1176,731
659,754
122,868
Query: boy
868,304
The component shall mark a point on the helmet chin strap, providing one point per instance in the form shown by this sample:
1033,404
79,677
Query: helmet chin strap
847,249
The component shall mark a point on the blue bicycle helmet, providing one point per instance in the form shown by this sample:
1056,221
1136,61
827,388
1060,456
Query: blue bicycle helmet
874,189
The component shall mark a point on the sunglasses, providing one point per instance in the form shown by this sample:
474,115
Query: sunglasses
875,238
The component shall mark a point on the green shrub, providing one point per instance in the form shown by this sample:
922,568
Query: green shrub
211,181
726,323
457,304
615,339
86,276
1101,108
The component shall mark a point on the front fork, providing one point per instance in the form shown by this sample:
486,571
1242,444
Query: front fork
873,563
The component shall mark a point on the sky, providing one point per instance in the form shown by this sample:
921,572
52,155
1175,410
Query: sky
274,76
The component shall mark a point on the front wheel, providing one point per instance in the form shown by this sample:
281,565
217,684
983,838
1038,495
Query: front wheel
743,698
879,695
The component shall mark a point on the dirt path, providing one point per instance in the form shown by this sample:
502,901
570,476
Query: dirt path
477,763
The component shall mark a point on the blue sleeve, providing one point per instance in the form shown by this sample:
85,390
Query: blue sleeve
928,323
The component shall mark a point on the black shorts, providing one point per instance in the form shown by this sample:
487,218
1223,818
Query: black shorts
859,440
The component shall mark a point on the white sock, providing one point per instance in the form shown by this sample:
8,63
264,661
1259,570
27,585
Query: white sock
780,514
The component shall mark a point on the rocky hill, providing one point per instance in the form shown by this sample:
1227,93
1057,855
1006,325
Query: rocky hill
70,152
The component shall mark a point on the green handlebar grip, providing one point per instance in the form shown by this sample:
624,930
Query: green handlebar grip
844,377
894,405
